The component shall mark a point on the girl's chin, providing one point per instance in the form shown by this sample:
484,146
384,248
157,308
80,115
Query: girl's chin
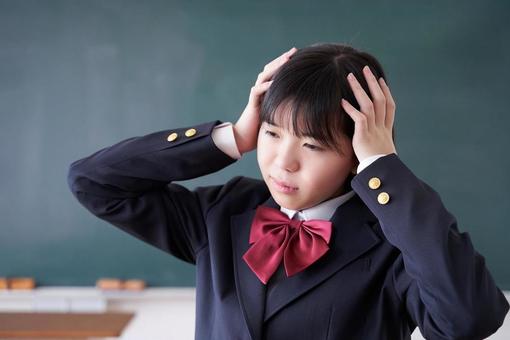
285,202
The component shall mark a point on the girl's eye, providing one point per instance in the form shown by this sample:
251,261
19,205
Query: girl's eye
310,146
313,147
271,133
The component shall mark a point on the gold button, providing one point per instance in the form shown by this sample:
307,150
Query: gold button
383,198
374,183
171,137
190,132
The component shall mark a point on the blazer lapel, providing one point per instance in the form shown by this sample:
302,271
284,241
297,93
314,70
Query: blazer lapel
352,237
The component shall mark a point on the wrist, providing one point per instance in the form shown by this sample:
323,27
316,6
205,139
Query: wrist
369,152
238,140
244,141
223,136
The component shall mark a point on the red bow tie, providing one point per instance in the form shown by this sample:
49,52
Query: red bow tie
273,236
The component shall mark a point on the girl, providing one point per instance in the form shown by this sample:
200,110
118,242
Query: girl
340,240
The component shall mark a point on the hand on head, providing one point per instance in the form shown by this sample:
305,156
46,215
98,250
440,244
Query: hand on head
373,123
247,126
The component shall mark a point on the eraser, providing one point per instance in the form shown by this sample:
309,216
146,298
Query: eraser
25,283
109,284
3,283
134,284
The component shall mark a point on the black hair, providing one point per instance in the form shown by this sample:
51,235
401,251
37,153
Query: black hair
310,87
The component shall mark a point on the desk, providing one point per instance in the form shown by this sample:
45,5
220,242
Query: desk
62,325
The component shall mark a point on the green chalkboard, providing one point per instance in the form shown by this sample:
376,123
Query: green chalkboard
76,76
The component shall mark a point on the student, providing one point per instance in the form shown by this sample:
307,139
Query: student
324,247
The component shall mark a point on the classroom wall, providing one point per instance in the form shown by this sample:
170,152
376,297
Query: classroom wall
77,76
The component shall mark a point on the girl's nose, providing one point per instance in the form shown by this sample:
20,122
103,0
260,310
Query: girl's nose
287,160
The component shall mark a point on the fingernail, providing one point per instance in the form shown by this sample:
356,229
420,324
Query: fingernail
350,76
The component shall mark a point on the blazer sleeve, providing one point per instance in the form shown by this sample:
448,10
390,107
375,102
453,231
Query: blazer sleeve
439,277
129,185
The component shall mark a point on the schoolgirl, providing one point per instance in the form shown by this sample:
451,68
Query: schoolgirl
338,240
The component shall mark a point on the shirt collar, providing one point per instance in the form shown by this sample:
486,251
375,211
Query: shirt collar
323,211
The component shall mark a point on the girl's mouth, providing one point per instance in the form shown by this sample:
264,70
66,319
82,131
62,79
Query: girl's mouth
282,187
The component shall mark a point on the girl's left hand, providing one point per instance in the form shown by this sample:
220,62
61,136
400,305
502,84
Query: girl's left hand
373,125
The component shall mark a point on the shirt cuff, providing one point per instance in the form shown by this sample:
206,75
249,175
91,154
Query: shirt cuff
223,137
367,161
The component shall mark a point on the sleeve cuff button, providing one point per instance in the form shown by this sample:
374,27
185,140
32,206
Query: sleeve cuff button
190,132
374,183
383,198
171,137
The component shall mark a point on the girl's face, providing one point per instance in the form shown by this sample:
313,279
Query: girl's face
310,173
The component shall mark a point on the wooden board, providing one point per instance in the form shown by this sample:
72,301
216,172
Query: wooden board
62,325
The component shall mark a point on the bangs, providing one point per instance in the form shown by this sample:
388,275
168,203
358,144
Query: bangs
303,106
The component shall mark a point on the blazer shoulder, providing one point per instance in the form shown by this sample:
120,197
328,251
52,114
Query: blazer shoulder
240,193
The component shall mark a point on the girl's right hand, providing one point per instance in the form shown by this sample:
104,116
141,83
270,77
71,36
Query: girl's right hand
246,128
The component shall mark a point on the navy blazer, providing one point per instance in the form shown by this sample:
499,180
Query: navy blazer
390,267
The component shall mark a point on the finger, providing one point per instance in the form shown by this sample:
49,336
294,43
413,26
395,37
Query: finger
378,98
281,59
390,104
366,106
360,120
271,68
257,91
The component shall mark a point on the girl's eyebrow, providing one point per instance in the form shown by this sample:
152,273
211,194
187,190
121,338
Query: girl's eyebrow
307,135
272,124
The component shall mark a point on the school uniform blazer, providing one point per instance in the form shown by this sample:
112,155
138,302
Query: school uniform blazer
390,267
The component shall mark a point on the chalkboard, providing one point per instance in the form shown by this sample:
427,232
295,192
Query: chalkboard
77,76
